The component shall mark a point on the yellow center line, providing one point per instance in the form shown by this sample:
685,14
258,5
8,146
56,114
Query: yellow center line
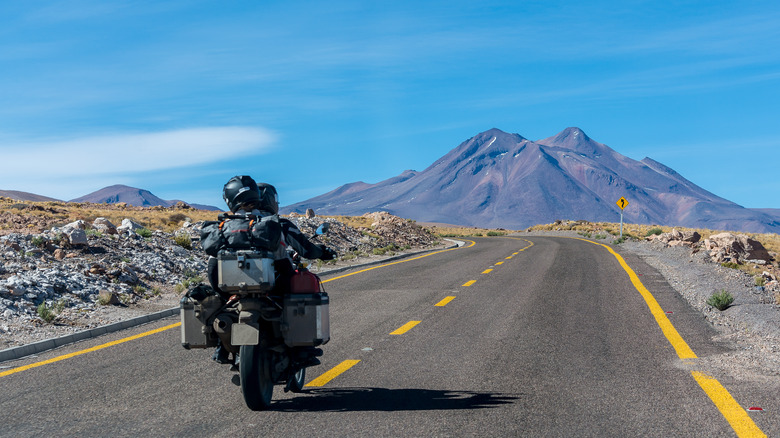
469,283
499,263
487,271
397,262
405,328
88,350
737,417
333,373
444,302
509,258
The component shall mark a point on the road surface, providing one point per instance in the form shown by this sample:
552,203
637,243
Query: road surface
525,336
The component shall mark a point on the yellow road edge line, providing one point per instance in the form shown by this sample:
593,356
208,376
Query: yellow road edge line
397,262
487,271
333,373
405,328
469,283
674,338
88,350
737,417
444,302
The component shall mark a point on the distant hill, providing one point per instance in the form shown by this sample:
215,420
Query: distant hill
496,179
24,196
132,196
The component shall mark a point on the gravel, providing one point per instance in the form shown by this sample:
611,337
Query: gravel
751,326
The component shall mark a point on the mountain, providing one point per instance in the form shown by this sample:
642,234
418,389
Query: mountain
496,179
132,196
25,196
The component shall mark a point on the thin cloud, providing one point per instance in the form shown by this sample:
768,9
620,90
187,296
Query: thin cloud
132,153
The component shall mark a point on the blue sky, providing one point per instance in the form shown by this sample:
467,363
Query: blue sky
178,96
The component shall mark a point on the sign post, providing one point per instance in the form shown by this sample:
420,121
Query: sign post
622,203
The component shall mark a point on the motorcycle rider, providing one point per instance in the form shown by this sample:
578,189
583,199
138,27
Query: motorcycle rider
292,236
243,196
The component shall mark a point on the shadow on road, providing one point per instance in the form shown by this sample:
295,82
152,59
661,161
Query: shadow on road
383,399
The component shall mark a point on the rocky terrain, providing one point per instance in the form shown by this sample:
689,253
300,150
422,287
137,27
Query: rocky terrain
82,275
750,327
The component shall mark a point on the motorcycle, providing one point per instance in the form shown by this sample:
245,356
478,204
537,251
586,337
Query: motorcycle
273,337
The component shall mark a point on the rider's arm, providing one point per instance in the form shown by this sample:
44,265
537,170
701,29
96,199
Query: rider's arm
298,241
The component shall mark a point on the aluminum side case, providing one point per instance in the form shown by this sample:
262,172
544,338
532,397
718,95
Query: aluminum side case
305,319
245,271
195,332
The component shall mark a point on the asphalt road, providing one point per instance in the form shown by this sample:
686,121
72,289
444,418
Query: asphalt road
544,337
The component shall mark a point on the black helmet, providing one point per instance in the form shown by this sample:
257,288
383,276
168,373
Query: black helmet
240,190
269,199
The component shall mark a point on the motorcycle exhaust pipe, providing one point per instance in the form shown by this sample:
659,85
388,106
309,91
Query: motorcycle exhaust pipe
222,324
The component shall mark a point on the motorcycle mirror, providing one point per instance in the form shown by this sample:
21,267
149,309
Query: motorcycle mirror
322,229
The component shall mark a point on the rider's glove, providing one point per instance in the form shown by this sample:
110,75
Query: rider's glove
327,253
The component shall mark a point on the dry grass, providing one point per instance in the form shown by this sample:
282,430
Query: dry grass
42,215
455,231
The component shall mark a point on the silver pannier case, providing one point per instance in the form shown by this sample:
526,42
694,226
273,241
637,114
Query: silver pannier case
245,271
305,321
195,331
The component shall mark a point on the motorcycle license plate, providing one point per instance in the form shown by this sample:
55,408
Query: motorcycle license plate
244,334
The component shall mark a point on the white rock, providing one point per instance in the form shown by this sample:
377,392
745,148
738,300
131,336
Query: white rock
76,236
128,224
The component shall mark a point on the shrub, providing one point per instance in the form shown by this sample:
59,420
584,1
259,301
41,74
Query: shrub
183,240
176,218
619,240
654,231
185,284
585,234
730,265
39,241
720,300
496,233
144,232
760,281
46,312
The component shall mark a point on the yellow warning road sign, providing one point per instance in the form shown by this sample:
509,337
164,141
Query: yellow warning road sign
622,203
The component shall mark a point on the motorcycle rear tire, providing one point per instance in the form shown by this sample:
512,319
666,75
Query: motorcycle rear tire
255,373
297,381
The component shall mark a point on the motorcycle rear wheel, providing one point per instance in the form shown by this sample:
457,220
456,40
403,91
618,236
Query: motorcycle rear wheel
255,372
297,380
